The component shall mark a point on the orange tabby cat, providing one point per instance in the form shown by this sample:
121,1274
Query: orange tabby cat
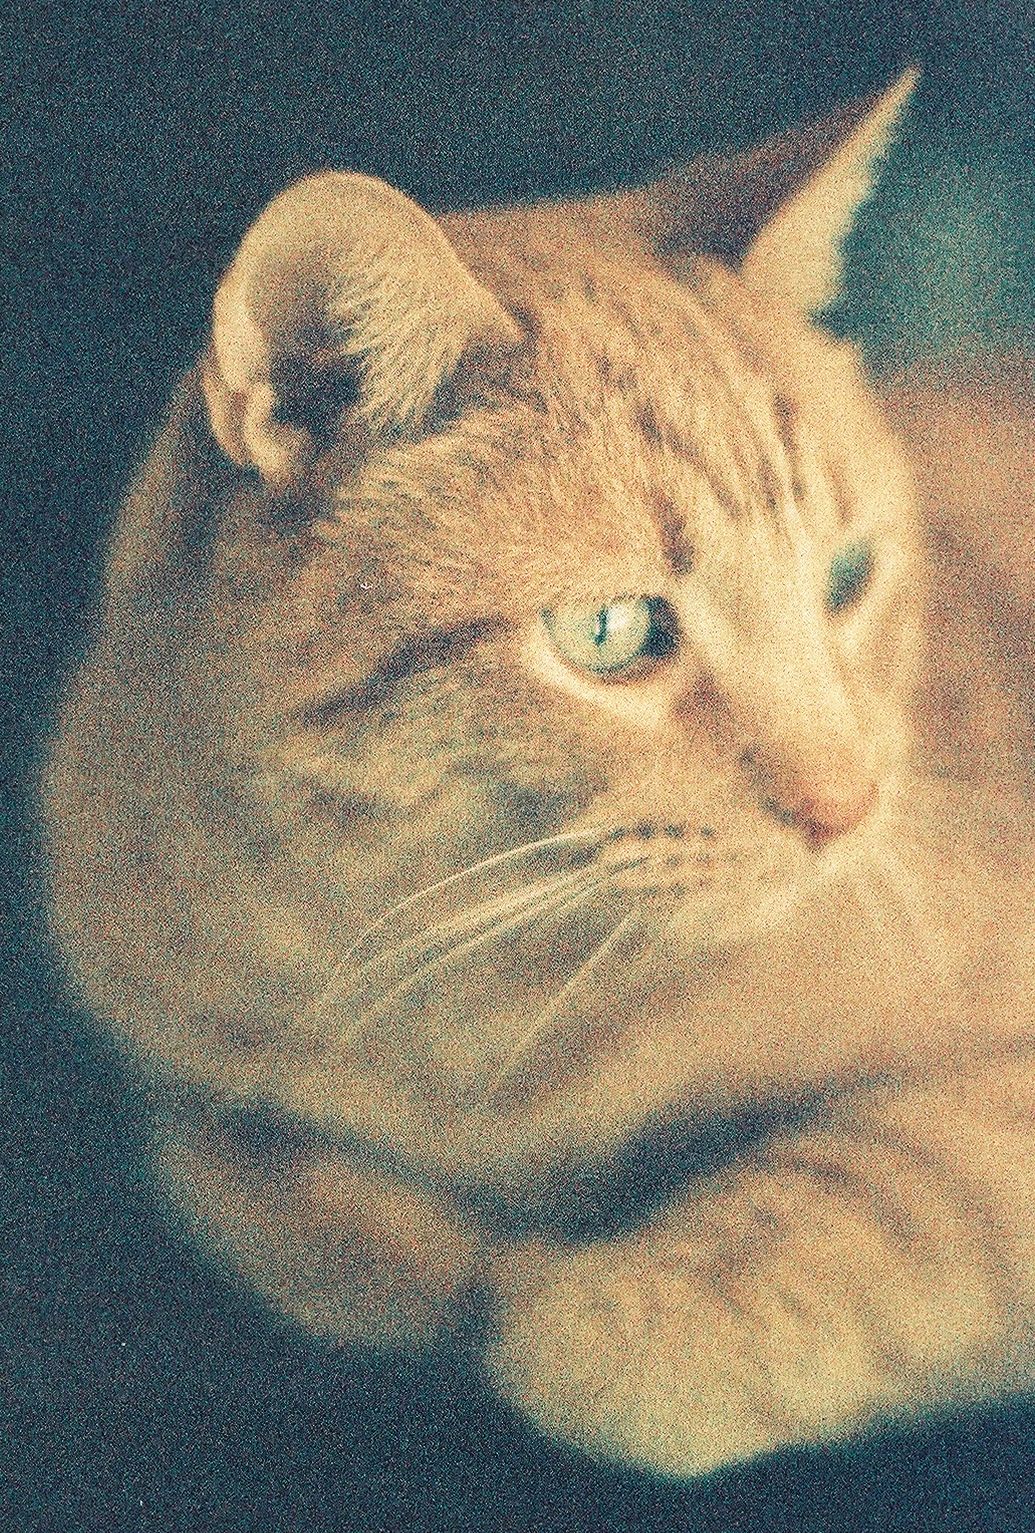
507,810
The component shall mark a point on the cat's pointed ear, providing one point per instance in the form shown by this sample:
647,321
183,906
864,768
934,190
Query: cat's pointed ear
781,211
796,256
344,297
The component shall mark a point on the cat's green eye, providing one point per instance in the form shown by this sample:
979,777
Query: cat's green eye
850,572
614,640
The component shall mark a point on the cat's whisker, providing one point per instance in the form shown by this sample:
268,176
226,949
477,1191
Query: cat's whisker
555,904
870,888
891,874
491,915
552,1009
897,877
468,916
485,921
487,914
929,931
589,834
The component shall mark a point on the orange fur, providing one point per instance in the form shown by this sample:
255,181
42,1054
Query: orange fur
683,1012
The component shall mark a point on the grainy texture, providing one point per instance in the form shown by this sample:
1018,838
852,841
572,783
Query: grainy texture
420,920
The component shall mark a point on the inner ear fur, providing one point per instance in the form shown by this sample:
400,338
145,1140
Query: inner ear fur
780,211
344,297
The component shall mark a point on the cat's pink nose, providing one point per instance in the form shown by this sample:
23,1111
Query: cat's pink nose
821,820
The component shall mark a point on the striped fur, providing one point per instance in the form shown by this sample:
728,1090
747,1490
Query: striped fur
665,1039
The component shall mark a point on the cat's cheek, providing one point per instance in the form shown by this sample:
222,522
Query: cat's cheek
880,657
892,652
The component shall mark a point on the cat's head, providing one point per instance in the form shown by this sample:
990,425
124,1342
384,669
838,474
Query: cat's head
553,606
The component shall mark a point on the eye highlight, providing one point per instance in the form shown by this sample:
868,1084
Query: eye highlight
849,575
620,638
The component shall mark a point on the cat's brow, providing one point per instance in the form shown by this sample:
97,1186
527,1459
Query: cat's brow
675,545
729,354
785,414
840,494
424,653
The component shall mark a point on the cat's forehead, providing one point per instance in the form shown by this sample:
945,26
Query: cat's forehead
624,353
614,318
662,412
656,420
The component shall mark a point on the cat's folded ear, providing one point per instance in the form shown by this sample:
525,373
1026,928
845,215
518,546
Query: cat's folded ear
344,298
779,212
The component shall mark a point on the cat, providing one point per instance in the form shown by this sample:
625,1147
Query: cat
550,818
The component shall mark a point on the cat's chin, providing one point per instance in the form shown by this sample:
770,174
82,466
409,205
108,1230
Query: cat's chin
721,927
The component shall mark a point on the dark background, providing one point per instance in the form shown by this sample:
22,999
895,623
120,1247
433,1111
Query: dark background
138,1389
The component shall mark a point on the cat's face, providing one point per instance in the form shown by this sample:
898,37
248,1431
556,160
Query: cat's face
544,634
609,669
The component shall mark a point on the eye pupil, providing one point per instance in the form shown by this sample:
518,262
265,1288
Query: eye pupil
850,571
